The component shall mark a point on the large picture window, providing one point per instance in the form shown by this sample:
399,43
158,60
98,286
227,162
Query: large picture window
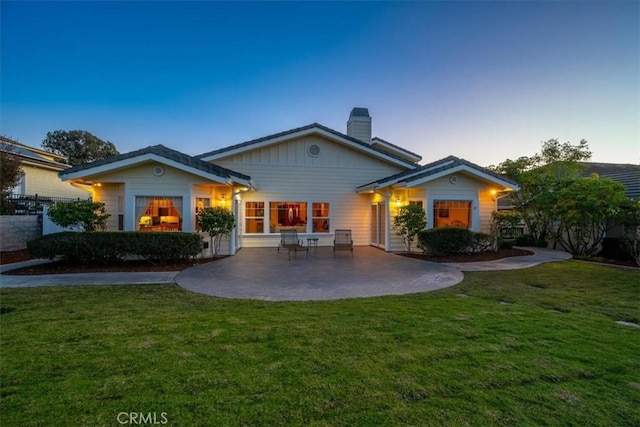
158,213
288,215
254,217
320,219
452,213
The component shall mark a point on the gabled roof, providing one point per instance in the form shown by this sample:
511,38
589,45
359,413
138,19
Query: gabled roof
313,128
626,174
438,169
161,154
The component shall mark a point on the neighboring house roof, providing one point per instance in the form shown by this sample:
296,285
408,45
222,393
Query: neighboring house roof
33,156
438,169
163,155
313,128
627,174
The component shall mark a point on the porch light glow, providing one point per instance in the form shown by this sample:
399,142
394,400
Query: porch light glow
223,199
398,202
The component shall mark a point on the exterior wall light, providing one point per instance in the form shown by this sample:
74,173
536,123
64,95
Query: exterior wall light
223,199
398,202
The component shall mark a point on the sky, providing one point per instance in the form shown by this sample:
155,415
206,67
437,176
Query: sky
484,81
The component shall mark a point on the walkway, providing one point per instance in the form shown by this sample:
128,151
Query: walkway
261,273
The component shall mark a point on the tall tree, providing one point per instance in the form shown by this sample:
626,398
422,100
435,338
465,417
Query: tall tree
10,168
78,146
539,176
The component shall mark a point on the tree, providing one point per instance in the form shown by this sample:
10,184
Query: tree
10,168
10,172
539,176
629,219
88,216
584,210
217,222
409,221
78,146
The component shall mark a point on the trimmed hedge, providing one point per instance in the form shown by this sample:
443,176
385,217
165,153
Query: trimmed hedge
105,247
451,240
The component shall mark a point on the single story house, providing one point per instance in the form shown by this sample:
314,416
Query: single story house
312,178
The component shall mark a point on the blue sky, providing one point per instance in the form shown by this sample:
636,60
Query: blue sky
484,81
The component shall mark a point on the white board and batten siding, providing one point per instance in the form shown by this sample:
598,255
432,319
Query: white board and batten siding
288,172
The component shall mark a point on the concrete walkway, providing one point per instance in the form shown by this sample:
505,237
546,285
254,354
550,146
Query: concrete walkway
261,273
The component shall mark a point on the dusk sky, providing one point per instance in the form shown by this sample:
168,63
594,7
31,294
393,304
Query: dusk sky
484,81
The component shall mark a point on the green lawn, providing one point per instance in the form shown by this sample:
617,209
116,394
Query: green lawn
526,347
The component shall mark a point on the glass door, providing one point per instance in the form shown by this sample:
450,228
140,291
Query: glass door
378,224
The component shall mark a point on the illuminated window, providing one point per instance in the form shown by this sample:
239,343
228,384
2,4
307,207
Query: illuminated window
288,215
452,213
157,213
254,217
320,219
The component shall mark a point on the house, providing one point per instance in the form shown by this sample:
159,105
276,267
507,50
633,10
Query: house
626,174
312,178
40,172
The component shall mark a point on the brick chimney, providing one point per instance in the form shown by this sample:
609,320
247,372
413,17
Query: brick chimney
359,125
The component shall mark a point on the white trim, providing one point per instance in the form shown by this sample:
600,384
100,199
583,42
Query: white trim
463,168
392,182
475,209
149,157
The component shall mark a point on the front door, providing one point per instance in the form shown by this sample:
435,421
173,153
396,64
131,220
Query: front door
378,224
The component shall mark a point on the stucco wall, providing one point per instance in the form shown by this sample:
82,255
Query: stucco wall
17,230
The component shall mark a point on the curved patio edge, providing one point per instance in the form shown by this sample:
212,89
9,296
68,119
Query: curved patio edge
540,256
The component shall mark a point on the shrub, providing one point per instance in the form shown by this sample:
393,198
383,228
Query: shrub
111,247
445,241
409,221
88,216
506,243
529,240
481,242
615,248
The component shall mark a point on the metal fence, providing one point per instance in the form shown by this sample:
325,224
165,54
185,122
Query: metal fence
28,204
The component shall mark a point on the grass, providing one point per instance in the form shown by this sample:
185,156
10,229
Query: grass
524,347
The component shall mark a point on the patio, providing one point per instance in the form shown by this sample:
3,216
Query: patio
262,273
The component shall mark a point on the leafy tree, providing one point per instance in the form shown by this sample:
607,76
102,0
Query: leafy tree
88,216
584,210
409,221
539,176
10,168
78,146
217,222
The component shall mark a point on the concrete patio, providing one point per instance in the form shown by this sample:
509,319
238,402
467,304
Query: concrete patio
262,273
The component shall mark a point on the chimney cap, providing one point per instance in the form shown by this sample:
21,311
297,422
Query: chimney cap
359,112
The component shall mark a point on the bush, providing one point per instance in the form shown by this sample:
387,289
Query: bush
481,242
529,240
112,247
506,243
445,241
615,248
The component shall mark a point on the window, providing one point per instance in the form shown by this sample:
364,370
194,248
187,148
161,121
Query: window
120,213
416,203
288,215
254,217
452,213
158,213
201,203
320,218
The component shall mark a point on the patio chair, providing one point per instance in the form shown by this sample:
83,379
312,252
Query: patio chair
289,241
342,241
